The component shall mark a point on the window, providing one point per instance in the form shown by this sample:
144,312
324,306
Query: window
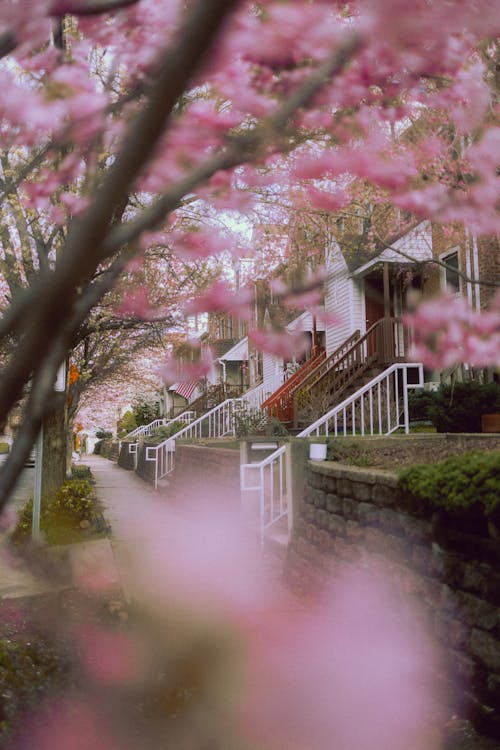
450,276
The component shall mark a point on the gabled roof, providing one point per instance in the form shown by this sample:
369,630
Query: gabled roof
305,323
238,352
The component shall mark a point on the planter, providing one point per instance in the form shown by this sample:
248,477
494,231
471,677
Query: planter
490,423
317,451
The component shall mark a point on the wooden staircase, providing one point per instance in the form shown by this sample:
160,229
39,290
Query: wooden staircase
280,403
352,365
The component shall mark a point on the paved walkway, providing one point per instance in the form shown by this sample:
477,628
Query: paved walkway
132,507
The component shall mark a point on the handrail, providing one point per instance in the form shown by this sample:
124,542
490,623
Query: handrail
279,403
219,420
271,508
379,345
327,364
147,429
366,389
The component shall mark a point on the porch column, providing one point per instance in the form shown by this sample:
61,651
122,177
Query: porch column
388,345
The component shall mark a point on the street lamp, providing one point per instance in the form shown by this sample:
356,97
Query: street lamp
60,386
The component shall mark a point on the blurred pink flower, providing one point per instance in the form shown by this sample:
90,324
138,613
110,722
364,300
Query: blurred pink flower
220,297
286,344
66,725
353,673
110,657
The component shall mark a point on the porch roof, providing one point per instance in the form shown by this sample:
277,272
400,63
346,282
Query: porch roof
238,352
413,247
305,323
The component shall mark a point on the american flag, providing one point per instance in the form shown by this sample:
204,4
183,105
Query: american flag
187,388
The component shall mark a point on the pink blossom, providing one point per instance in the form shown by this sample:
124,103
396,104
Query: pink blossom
136,304
360,652
285,344
327,200
67,724
110,657
220,297
447,332
177,370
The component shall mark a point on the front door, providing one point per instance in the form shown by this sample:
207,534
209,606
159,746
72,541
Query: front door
374,310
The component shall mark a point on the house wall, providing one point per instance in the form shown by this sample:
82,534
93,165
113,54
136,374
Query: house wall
272,372
344,298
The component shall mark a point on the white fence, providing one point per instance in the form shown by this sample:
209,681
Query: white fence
146,430
217,422
378,408
270,484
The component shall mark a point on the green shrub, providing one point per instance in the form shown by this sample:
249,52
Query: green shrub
162,433
80,471
419,401
103,434
145,412
73,513
456,408
126,424
457,483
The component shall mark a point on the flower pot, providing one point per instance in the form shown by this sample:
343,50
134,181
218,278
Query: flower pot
317,451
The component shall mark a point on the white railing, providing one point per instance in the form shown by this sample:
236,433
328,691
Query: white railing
271,486
146,430
217,422
378,408
256,396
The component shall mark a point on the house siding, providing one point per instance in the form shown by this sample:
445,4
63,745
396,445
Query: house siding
344,299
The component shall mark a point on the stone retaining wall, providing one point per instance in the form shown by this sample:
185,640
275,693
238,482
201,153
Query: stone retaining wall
125,457
199,470
449,567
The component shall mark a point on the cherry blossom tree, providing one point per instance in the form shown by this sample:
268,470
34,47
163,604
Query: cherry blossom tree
118,119
207,102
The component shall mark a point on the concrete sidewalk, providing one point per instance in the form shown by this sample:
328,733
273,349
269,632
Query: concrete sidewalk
132,508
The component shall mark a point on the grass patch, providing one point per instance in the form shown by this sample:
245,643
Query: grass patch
73,514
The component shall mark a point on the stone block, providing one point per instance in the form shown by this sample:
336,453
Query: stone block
349,508
477,612
329,483
450,631
415,528
367,514
389,519
315,480
345,488
361,491
337,525
321,518
487,648
319,499
384,495
333,503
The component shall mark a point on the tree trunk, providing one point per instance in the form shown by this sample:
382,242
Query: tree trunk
54,453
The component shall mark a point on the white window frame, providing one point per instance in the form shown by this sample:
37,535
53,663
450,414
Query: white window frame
444,258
